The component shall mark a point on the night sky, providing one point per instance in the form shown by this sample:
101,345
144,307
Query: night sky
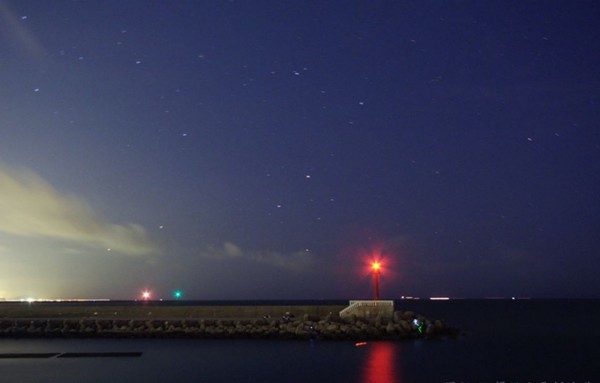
270,149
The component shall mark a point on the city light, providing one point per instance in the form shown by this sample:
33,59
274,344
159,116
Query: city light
146,295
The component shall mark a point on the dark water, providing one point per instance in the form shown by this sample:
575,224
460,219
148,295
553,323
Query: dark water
506,341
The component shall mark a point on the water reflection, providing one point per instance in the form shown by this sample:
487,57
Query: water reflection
380,364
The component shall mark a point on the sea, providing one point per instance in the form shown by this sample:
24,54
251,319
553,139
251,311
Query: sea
517,341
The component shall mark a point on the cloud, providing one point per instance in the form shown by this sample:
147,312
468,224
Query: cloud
296,261
14,28
31,207
231,250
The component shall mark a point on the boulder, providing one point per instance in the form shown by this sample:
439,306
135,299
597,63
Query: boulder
390,328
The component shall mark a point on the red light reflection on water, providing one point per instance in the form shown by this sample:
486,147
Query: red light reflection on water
380,364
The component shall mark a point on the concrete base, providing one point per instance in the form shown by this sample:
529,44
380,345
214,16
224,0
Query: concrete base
368,309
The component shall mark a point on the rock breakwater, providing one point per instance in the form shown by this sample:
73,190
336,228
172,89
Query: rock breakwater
404,325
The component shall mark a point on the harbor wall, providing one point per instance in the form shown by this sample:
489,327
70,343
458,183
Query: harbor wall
232,322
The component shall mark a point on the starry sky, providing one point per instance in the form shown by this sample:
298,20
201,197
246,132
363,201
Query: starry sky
270,149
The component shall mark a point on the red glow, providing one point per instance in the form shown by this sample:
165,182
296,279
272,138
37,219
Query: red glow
380,365
376,266
374,261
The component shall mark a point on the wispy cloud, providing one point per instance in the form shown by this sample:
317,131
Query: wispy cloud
15,29
296,261
29,206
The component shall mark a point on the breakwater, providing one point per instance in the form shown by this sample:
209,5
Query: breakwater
403,325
